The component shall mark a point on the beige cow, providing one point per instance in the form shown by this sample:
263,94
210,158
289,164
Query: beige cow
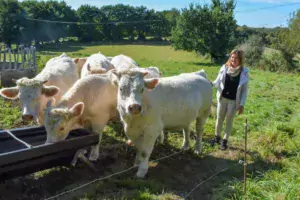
90,103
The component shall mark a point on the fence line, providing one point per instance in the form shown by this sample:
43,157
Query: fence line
146,21
93,23
265,8
106,177
168,156
222,170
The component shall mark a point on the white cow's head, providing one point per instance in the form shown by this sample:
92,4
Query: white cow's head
60,121
153,72
30,92
96,70
131,85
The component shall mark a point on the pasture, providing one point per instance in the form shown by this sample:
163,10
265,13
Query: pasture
273,113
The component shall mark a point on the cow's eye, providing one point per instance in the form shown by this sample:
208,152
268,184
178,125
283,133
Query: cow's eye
121,90
61,128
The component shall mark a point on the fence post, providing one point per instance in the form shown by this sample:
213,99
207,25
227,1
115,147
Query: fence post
245,154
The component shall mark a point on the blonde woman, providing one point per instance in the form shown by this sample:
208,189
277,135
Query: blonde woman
232,86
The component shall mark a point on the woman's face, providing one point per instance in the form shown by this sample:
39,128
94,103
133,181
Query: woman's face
235,61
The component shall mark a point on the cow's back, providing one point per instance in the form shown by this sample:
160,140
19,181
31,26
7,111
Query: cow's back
122,61
60,71
97,93
96,61
179,99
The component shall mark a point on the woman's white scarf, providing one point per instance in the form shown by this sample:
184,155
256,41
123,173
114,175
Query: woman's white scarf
234,71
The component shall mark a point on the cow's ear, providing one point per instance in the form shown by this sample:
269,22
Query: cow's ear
88,67
10,93
50,91
145,73
151,83
114,77
77,109
116,73
76,60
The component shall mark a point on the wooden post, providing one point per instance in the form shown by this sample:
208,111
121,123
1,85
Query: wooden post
245,154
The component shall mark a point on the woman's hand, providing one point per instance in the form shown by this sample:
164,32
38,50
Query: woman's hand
240,110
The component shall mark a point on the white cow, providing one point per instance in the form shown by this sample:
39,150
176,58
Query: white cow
123,62
96,63
109,58
147,106
59,74
200,72
153,72
90,103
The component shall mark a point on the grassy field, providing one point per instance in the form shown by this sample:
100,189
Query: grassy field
273,113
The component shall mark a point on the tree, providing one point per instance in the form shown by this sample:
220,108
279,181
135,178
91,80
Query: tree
49,10
206,29
288,40
10,21
91,14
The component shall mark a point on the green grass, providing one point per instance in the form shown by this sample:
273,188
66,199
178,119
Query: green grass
272,110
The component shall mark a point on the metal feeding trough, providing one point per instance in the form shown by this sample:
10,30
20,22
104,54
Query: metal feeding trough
23,150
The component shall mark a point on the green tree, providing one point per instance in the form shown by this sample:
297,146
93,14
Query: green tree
47,10
91,14
206,29
288,40
10,21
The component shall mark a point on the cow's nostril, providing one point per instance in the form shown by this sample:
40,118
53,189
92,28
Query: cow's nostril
27,117
130,108
139,108
135,108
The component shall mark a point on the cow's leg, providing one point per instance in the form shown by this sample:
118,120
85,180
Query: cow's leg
161,137
98,129
137,157
186,140
145,146
200,121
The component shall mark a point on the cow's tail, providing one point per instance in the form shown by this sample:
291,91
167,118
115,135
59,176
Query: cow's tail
213,110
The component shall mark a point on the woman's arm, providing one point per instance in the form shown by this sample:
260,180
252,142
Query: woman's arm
244,94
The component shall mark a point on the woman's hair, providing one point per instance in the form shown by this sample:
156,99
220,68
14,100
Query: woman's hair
240,55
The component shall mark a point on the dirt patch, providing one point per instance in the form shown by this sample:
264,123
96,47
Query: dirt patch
176,175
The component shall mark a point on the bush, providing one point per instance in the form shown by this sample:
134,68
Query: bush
253,49
275,62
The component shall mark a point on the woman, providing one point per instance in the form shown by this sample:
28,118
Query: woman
232,85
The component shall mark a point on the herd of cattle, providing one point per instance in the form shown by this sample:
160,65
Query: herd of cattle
71,93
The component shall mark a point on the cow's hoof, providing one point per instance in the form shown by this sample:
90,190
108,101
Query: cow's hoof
141,173
185,146
129,143
93,157
198,150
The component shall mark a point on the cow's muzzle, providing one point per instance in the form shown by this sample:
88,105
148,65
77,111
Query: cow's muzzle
135,109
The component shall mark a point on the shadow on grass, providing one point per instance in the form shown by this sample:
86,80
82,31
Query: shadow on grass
206,64
176,175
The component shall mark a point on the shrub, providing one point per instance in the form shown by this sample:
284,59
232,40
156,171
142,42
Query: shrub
275,62
253,49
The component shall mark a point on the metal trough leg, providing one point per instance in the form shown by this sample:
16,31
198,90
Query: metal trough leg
80,154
